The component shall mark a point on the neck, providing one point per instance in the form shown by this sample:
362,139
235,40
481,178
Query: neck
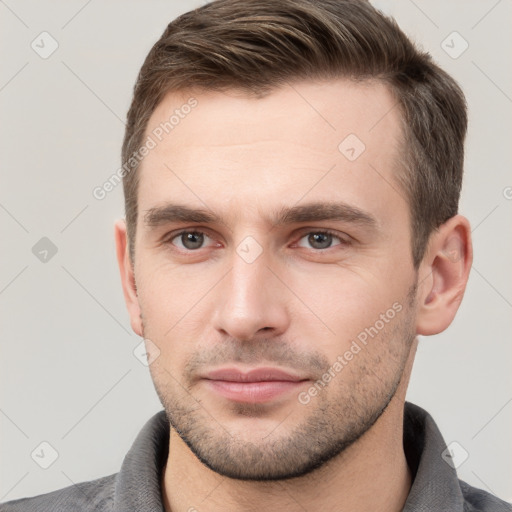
370,475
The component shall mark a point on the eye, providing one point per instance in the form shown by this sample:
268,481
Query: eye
320,240
189,240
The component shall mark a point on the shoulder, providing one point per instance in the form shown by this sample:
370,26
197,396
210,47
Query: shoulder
94,495
477,500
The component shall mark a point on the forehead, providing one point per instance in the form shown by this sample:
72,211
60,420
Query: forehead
320,139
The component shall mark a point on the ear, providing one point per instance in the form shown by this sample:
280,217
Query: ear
127,276
443,274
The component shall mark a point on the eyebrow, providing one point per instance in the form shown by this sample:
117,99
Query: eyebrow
310,212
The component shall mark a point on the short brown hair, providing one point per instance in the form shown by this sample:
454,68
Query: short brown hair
258,45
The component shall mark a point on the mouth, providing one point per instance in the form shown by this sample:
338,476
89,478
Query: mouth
258,385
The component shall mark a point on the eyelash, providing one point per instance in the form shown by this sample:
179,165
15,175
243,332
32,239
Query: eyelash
343,241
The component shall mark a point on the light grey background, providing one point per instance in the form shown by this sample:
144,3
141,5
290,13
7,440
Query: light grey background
68,373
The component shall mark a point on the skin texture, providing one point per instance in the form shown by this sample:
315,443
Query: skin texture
288,297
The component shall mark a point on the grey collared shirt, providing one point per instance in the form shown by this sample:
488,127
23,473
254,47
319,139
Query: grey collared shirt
137,486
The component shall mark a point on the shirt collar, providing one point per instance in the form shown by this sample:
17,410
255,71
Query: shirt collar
138,483
435,485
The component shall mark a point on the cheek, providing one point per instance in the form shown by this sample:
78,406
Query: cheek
169,293
365,314
328,305
174,301
348,299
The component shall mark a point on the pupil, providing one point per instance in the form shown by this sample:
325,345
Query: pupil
192,240
320,240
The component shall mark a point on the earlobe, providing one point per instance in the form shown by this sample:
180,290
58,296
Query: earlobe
127,276
444,272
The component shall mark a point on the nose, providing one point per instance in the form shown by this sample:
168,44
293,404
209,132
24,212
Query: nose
251,301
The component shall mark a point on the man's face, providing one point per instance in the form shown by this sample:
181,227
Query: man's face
291,252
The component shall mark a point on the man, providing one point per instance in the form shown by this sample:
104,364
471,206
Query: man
292,172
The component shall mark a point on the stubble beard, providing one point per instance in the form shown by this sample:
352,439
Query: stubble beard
334,420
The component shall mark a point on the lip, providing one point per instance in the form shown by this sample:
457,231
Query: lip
256,375
254,386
